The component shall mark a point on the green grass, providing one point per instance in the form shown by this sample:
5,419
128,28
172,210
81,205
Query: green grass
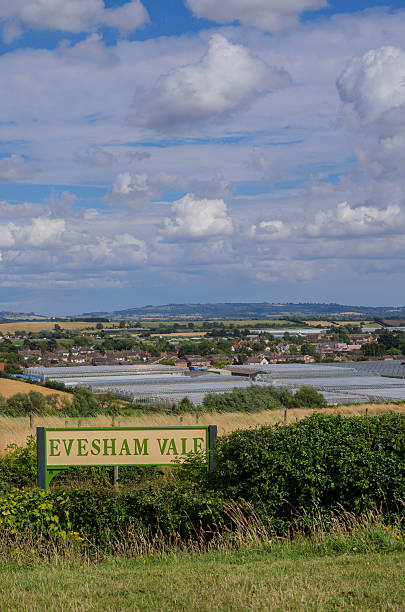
357,569
290,579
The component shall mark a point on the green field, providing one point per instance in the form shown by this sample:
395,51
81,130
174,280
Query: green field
289,578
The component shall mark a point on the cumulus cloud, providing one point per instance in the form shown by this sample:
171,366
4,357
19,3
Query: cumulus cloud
269,230
227,78
136,190
15,168
68,15
90,50
12,211
42,231
194,219
6,235
372,90
123,250
268,15
346,221
374,83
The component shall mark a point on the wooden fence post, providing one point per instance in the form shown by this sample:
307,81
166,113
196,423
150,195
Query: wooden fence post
115,476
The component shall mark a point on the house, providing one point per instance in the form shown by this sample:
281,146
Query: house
180,362
197,360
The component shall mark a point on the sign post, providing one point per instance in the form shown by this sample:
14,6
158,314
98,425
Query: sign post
60,448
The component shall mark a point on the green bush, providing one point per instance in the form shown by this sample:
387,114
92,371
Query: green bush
290,473
171,510
318,464
18,468
257,398
33,511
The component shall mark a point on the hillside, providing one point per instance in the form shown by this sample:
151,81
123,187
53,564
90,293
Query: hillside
10,387
263,310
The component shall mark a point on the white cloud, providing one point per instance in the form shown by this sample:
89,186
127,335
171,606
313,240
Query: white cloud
42,232
68,15
12,211
120,251
91,50
194,219
374,83
136,190
227,78
15,168
372,89
346,221
269,230
6,235
268,15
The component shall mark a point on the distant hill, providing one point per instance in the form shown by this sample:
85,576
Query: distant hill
7,316
263,310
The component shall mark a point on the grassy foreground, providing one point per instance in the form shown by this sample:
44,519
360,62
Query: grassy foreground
287,578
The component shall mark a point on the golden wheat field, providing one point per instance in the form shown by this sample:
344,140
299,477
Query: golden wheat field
37,326
16,429
11,387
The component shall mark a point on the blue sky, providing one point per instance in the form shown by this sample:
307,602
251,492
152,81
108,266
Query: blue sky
163,151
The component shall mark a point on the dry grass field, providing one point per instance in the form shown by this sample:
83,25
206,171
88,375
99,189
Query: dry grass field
16,429
37,326
11,387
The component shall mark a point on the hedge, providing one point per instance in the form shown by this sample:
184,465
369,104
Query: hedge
320,465
322,462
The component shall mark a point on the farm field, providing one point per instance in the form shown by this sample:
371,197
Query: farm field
16,429
188,334
288,578
36,326
343,322
10,387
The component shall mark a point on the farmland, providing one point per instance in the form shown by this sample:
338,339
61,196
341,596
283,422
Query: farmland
9,387
37,326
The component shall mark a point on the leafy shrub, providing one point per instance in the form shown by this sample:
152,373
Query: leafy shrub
257,398
172,510
22,511
320,463
19,467
309,397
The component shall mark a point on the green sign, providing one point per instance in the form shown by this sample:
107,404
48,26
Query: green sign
59,448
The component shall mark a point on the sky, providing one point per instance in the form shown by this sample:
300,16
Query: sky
169,151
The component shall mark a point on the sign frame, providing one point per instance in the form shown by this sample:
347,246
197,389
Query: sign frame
45,472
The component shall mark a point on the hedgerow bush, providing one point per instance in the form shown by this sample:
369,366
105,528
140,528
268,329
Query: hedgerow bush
318,464
84,403
31,511
18,468
177,511
257,398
